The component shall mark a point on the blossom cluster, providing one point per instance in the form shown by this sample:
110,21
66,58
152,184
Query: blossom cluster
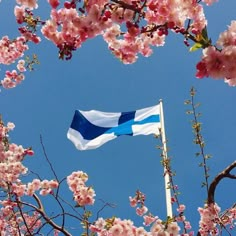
11,222
14,219
211,219
31,4
83,195
12,78
129,28
12,188
13,50
45,187
116,226
143,23
219,62
11,156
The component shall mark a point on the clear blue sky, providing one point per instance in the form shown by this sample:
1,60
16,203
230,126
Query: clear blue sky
45,102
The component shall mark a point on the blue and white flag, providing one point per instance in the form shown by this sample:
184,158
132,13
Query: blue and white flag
91,129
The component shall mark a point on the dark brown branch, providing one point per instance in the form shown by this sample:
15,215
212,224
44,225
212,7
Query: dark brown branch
224,174
211,192
22,215
45,217
127,6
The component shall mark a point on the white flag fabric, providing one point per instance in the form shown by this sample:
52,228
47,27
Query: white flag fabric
91,129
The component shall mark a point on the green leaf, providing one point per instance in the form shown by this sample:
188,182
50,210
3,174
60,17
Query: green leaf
204,33
195,47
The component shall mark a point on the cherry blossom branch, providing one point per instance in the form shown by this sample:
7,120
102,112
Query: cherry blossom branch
45,217
22,215
196,126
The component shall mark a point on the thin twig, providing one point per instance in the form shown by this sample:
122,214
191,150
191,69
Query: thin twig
106,204
199,139
46,156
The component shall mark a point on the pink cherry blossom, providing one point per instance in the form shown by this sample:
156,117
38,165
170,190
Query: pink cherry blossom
19,12
10,125
12,79
31,4
141,210
173,228
83,195
149,219
181,208
209,2
11,50
21,65
54,3
133,202
157,227
209,218
219,63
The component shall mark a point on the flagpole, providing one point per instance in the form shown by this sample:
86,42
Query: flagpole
166,174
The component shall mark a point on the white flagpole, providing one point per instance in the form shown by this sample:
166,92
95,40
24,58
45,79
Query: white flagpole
166,174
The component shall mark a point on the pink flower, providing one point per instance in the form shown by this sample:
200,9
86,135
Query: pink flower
209,218
83,195
157,227
10,125
98,226
53,184
19,189
201,70
45,192
209,2
31,4
173,228
181,208
19,14
21,65
133,202
116,230
149,219
29,152
54,3
141,210
187,225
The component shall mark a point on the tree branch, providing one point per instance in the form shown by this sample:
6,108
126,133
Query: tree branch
224,174
46,218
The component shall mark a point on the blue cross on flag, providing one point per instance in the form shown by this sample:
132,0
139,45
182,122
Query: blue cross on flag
91,129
